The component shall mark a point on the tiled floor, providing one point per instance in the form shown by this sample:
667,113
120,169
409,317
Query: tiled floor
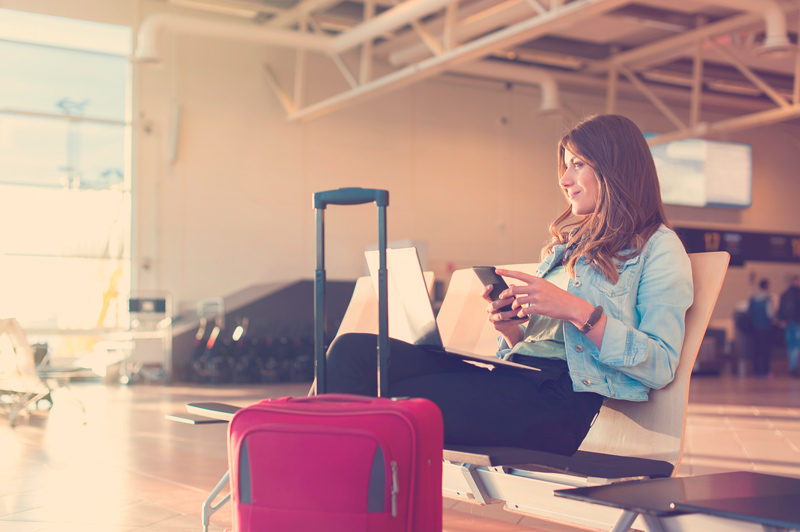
129,469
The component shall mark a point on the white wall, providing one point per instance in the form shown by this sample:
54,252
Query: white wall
235,208
470,168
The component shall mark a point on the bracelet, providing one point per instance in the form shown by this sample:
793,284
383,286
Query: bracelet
597,313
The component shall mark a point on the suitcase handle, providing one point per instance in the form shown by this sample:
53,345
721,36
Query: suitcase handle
351,196
334,398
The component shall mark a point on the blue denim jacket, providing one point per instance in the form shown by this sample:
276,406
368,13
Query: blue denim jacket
645,313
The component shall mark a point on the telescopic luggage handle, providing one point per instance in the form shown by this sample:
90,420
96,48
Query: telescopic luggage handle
351,196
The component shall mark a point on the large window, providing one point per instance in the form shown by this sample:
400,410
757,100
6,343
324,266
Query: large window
65,194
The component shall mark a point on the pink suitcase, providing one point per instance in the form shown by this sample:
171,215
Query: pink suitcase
337,463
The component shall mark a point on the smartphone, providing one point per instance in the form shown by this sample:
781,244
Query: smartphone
488,276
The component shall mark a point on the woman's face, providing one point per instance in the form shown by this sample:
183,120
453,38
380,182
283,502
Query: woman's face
580,184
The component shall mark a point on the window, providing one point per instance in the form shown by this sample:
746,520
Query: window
65,194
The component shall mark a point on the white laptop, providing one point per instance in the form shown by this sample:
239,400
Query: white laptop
411,317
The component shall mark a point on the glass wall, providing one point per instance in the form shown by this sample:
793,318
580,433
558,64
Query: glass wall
65,184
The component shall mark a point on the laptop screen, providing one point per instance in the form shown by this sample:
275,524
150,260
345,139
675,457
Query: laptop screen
411,316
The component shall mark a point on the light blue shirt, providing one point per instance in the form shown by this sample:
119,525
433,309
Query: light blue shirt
645,313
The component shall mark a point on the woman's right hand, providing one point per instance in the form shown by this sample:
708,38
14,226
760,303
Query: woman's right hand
502,321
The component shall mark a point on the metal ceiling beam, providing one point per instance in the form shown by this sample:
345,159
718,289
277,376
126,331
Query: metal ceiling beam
513,35
697,86
286,102
365,70
229,7
738,123
301,60
300,11
337,59
488,28
390,20
474,25
611,90
549,95
578,83
450,20
404,13
650,95
785,111
634,57
750,75
151,27
433,24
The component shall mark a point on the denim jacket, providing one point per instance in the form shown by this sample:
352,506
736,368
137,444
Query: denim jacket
645,313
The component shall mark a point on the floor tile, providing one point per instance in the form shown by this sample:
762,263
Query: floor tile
23,526
74,527
129,469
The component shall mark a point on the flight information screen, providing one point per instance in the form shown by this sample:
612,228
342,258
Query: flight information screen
702,173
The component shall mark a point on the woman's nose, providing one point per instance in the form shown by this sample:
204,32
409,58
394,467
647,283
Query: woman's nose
566,179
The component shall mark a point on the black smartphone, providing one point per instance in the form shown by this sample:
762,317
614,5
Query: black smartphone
488,276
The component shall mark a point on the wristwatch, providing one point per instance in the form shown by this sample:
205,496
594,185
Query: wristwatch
597,313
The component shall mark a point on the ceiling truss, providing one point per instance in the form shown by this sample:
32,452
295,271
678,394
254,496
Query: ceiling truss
395,44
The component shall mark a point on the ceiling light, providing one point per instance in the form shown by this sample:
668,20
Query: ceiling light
778,48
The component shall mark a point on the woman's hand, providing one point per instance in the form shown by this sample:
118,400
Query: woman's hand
502,321
540,297
543,298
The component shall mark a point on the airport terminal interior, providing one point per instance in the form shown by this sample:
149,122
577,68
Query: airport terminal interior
157,164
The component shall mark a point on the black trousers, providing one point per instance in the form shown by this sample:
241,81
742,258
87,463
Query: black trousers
504,406
762,351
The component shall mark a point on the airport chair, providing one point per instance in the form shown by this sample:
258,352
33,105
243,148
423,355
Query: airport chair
58,377
20,384
628,439
25,381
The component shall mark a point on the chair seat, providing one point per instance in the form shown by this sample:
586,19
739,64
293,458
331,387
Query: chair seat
191,419
582,463
219,411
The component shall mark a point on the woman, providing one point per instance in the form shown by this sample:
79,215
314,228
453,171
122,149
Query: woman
606,311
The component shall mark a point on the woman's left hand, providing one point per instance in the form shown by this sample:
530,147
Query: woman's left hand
542,298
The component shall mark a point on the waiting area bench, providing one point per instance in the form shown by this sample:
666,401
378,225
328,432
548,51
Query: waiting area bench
629,440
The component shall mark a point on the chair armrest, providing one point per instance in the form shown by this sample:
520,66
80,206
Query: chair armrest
220,411
582,463
191,419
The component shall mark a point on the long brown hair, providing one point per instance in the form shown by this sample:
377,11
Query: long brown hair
629,208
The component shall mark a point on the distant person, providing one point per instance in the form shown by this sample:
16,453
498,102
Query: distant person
744,336
762,312
789,317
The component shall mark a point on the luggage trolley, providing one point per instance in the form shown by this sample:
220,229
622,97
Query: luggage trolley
151,333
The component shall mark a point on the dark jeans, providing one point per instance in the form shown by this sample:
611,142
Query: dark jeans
504,406
762,351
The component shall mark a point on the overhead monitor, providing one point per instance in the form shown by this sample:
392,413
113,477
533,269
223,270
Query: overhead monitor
705,173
